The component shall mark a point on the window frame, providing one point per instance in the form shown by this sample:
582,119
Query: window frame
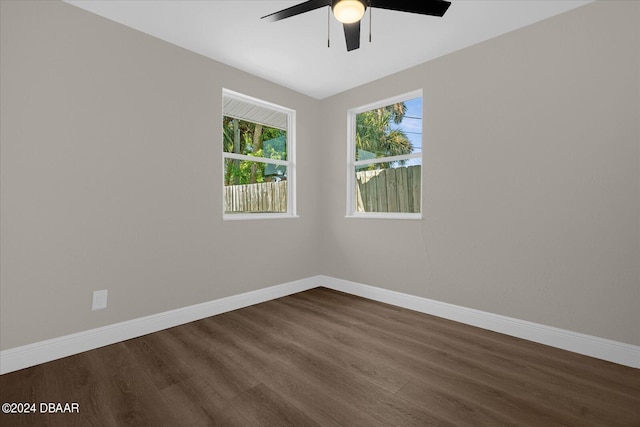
352,163
290,163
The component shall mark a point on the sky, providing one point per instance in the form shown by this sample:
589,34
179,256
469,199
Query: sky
412,126
412,123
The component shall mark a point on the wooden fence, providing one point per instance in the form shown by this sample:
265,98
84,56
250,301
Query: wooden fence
388,190
385,190
256,198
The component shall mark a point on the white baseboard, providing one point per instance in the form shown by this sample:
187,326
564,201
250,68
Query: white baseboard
601,348
45,351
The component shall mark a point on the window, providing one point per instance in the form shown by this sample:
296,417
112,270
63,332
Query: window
258,154
384,171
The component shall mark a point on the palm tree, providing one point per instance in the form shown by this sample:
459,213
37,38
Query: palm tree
375,136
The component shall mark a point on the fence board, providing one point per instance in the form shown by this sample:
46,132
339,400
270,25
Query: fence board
416,185
392,191
402,190
359,202
381,196
371,190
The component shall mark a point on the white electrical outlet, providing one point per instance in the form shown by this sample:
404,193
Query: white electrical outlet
99,300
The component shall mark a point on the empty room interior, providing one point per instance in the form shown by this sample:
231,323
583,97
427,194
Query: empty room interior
426,216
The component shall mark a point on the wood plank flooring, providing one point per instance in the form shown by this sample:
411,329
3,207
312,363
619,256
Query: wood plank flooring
324,358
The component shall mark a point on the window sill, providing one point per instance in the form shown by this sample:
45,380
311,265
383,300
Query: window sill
245,217
390,215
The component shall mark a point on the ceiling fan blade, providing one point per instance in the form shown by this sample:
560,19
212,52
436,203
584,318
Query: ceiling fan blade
425,7
352,35
297,9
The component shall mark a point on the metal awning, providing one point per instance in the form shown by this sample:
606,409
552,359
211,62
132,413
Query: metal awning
239,109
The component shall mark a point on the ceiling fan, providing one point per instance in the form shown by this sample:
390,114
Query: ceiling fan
350,12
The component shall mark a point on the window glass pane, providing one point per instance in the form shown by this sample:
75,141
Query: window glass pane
254,187
389,187
392,130
254,139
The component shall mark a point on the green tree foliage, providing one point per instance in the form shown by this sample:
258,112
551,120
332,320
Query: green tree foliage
376,135
247,138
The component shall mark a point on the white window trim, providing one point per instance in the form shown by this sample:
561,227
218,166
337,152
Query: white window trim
290,163
352,163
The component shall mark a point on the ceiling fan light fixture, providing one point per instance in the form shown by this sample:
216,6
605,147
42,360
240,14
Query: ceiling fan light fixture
348,11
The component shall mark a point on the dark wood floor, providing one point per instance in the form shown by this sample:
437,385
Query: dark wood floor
326,358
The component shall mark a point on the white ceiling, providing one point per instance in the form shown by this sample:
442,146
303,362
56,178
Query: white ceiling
294,53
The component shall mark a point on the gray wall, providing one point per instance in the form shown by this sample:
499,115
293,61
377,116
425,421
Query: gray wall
531,178
111,177
110,163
